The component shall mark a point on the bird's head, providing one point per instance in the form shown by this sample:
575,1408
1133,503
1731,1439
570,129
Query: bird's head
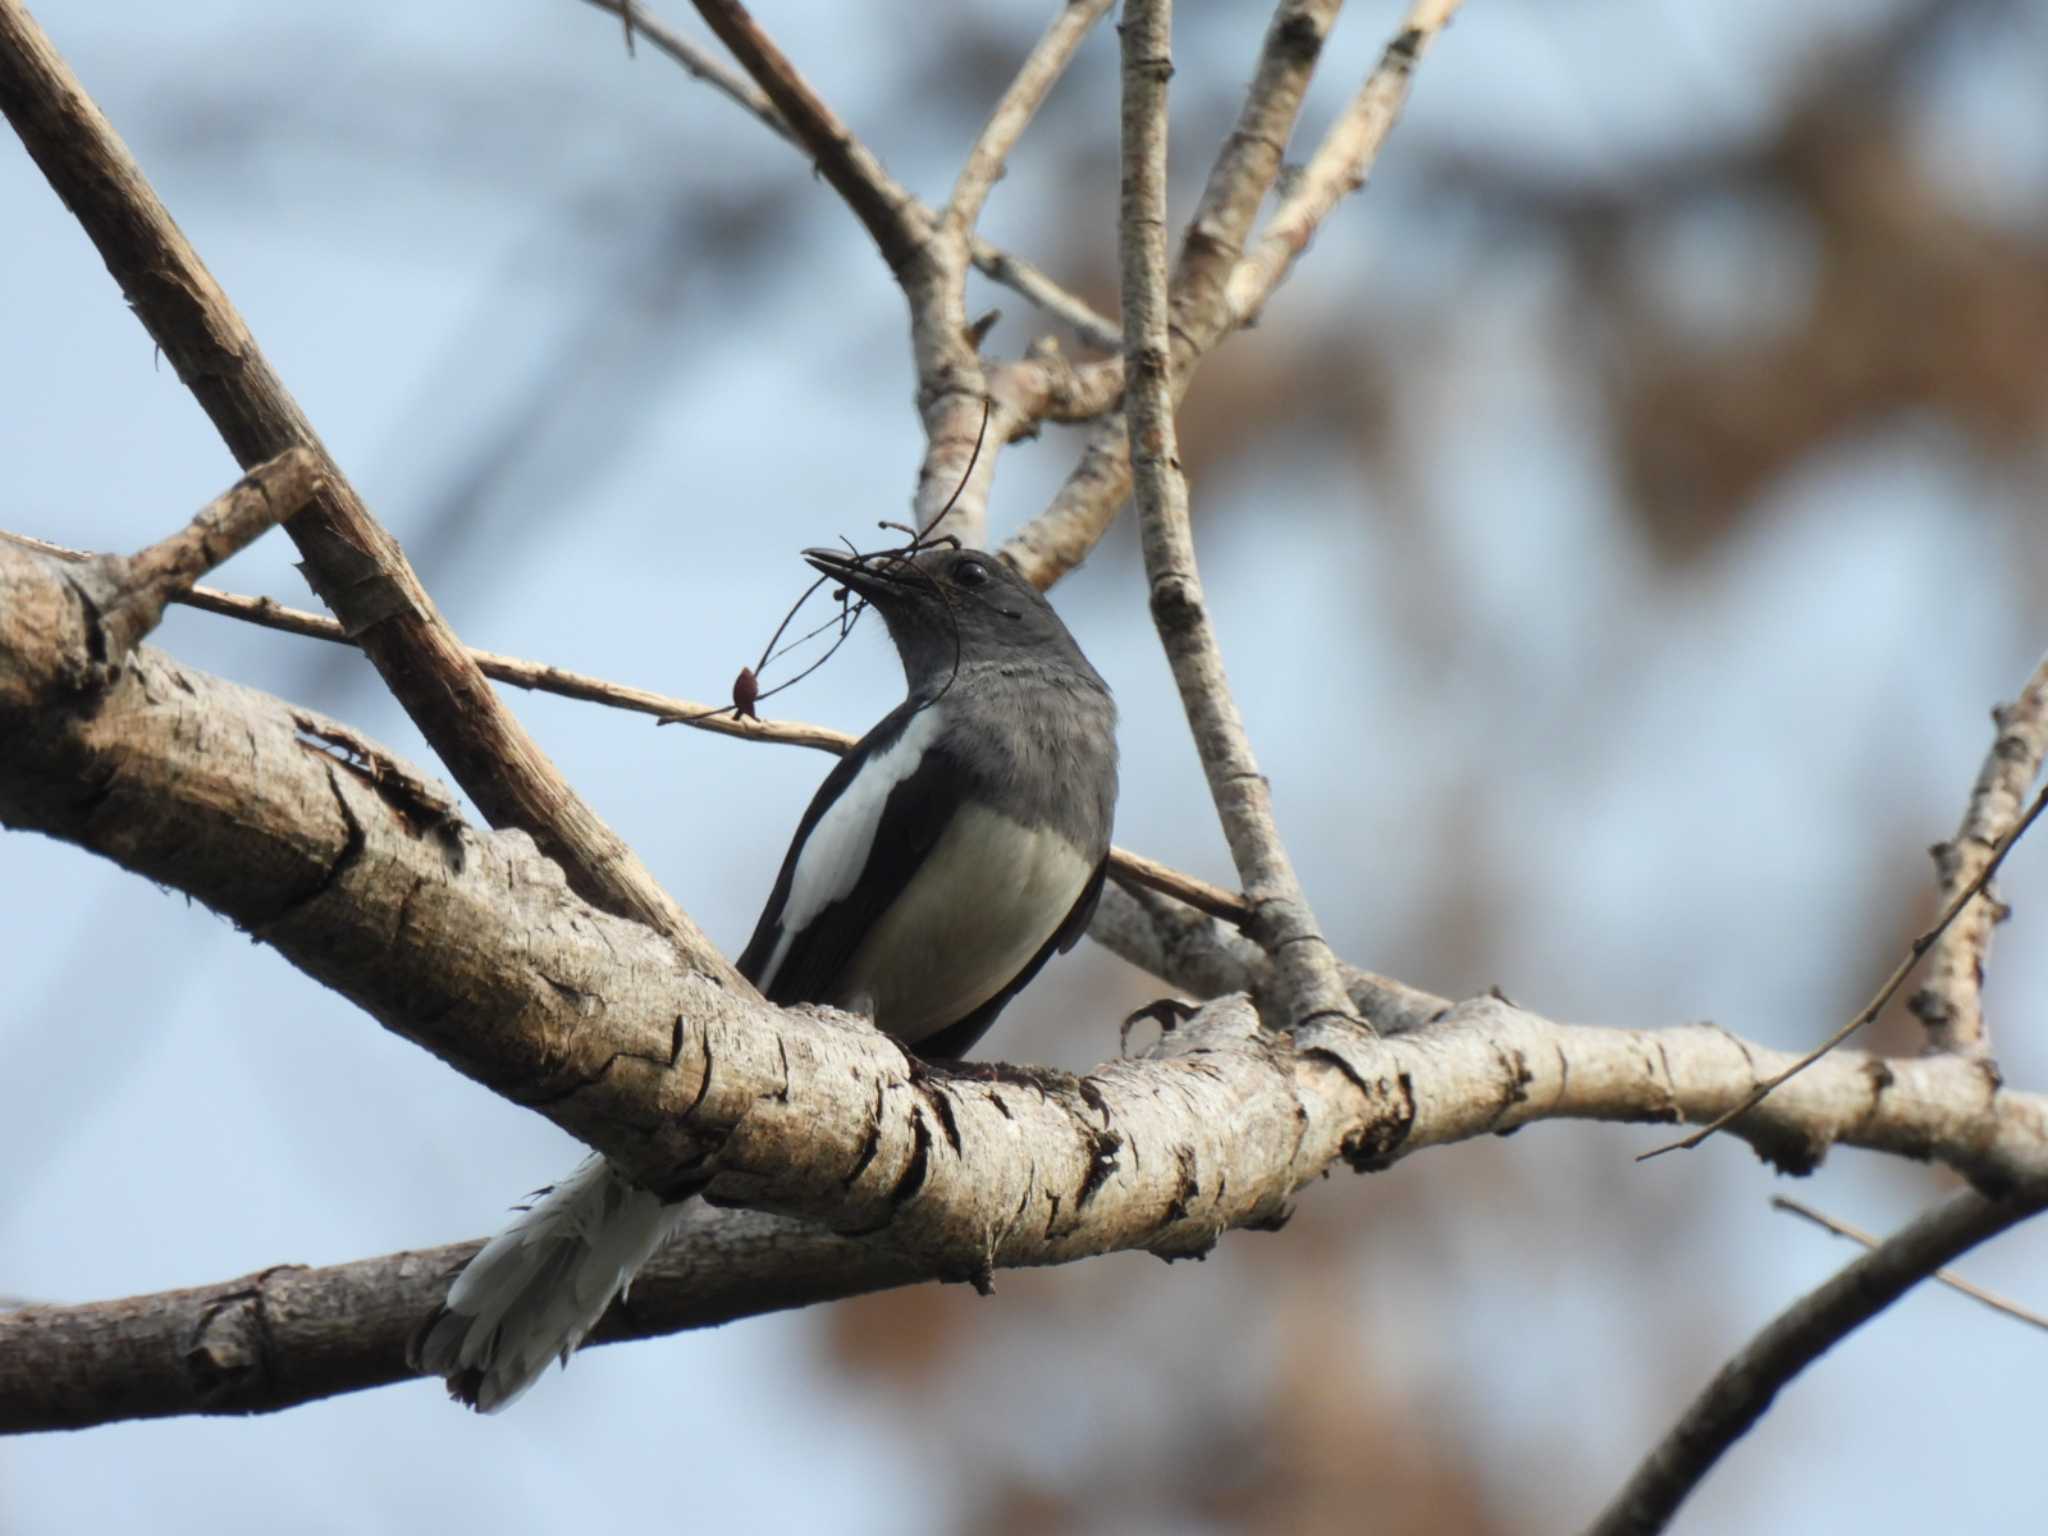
951,609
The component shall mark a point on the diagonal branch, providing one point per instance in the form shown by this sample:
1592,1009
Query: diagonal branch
1340,165
1951,1005
998,265
969,412
1305,969
353,562
1947,1277
1040,72
129,594
1163,934
1737,1397
884,209
1063,304
1245,170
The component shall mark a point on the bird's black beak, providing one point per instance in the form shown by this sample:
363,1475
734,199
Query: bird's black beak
875,579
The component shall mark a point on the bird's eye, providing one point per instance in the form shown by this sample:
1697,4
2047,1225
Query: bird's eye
971,573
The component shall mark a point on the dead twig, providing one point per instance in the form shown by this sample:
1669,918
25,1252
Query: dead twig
1040,72
1884,995
1951,1005
1947,1277
1340,165
1085,506
1000,266
1738,1395
884,209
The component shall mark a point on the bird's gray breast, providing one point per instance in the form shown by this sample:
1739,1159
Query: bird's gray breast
1040,744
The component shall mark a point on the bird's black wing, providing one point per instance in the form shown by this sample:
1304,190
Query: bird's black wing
913,816
957,1040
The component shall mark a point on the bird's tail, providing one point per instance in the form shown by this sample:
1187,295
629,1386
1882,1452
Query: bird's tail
533,1291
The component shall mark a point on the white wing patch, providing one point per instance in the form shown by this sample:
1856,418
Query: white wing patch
837,850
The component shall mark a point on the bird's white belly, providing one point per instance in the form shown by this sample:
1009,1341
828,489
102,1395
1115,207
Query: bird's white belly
984,901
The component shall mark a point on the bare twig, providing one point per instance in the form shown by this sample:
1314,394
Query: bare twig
129,593
884,209
1947,1277
699,64
1212,900
957,398
352,561
1039,73
1875,1006
1282,922
1951,1005
1340,164
230,523
1000,266
1745,1386
544,677
1020,276
1084,507
1246,169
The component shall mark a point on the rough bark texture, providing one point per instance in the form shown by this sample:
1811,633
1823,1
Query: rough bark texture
471,944
288,1335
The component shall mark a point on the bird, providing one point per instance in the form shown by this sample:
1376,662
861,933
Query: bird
957,847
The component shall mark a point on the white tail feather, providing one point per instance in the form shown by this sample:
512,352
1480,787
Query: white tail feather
536,1289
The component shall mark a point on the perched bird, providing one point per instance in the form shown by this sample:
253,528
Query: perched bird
942,862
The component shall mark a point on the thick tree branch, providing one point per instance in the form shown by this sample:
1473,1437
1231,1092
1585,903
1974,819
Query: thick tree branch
1747,1384
470,944
355,565
1951,1005
1304,967
289,1335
